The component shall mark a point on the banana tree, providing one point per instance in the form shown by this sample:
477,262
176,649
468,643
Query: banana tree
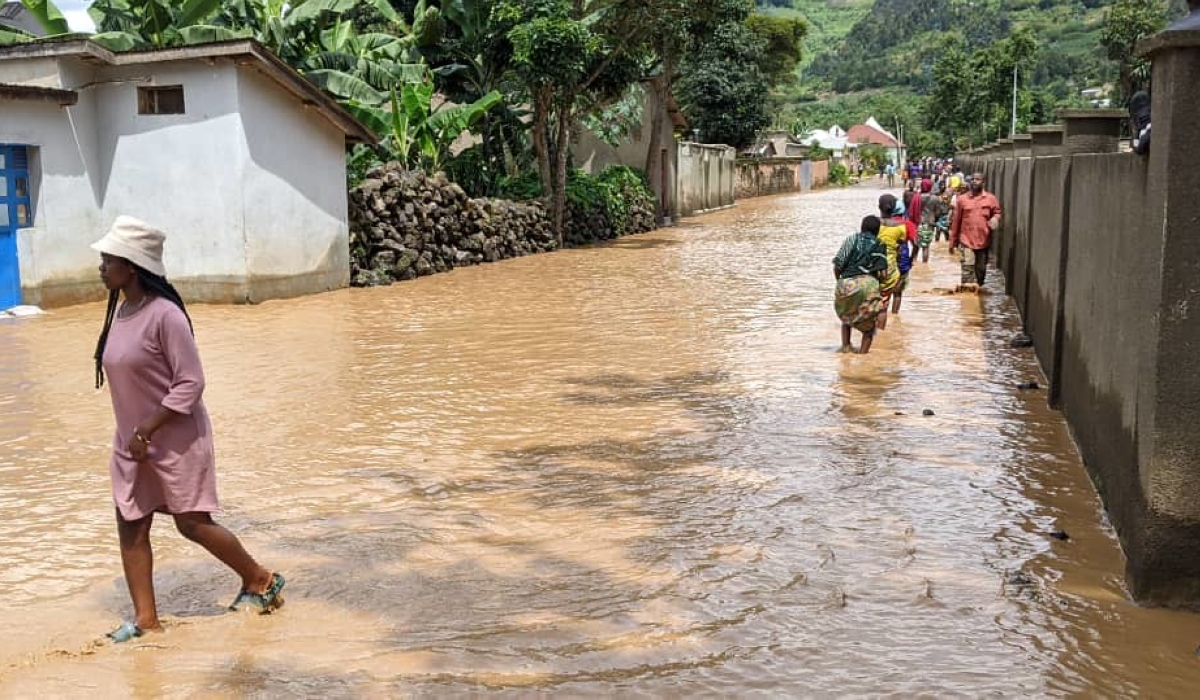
421,130
361,67
126,25
317,39
475,59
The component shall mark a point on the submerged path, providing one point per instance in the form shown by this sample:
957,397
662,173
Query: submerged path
634,469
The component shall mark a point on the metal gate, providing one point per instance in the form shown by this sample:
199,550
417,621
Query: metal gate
15,213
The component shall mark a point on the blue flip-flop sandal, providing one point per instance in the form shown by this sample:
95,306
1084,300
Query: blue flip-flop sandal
125,632
266,602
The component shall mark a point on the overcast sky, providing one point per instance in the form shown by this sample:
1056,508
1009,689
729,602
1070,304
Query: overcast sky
76,14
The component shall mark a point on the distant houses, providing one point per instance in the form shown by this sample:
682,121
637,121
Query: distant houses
844,145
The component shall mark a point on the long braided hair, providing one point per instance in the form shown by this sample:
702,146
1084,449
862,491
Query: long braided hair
152,284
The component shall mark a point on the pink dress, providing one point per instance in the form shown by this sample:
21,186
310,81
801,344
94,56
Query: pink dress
150,360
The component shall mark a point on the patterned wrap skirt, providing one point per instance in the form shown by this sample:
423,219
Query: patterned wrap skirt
858,302
924,235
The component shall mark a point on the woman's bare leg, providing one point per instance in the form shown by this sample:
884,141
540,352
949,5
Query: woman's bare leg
137,558
867,339
846,346
222,544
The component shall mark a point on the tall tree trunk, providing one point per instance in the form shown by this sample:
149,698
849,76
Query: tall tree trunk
660,92
562,145
541,141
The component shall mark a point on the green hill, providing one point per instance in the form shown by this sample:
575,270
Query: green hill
897,41
829,21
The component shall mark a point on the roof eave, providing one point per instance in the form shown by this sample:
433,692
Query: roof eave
283,74
28,93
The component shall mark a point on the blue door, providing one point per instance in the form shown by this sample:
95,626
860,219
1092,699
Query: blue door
15,213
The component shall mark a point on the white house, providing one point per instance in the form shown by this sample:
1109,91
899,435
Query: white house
833,140
234,154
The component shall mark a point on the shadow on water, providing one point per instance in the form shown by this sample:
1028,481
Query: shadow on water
594,475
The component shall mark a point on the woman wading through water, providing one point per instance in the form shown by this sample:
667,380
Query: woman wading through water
162,459
857,267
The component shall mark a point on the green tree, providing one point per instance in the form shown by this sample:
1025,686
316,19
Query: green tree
571,58
1126,22
783,41
723,88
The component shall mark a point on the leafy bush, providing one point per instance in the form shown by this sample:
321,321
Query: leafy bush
839,175
611,197
521,188
627,190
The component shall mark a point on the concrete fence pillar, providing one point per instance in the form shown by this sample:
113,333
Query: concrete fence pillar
1004,148
1046,139
1165,566
1091,130
1022,145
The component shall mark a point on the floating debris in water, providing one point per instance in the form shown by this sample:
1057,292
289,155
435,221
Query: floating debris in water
21,311
1028,386
927,412
1060,535
1021,341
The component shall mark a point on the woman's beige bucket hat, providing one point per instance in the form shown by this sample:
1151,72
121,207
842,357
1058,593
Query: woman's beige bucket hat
136,241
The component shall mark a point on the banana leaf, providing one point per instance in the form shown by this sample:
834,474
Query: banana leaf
385,8
307,10
196,12
48,16
8,37
345,86
374,118
207,33
340,37
119,41
333,60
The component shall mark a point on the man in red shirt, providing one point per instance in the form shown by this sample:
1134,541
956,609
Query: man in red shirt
975,218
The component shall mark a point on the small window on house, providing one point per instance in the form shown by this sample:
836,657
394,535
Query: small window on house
166,99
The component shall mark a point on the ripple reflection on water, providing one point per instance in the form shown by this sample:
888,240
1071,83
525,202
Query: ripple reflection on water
638,468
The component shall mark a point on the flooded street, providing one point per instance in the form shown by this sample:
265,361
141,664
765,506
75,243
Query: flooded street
639,469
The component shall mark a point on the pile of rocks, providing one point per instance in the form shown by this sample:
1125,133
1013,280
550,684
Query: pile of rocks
405,224
584,227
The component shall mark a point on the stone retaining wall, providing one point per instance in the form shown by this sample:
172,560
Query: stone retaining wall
406,224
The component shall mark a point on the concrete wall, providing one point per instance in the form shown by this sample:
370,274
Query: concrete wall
294,211
706,177
1043,302
249,187
594,155
1098,250
763,176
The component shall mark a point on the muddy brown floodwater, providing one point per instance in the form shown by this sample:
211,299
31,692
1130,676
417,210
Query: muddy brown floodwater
638,469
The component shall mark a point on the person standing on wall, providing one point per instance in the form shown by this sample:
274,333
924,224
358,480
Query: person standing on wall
162,459
976,217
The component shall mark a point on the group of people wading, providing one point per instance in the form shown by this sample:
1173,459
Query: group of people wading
873,265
